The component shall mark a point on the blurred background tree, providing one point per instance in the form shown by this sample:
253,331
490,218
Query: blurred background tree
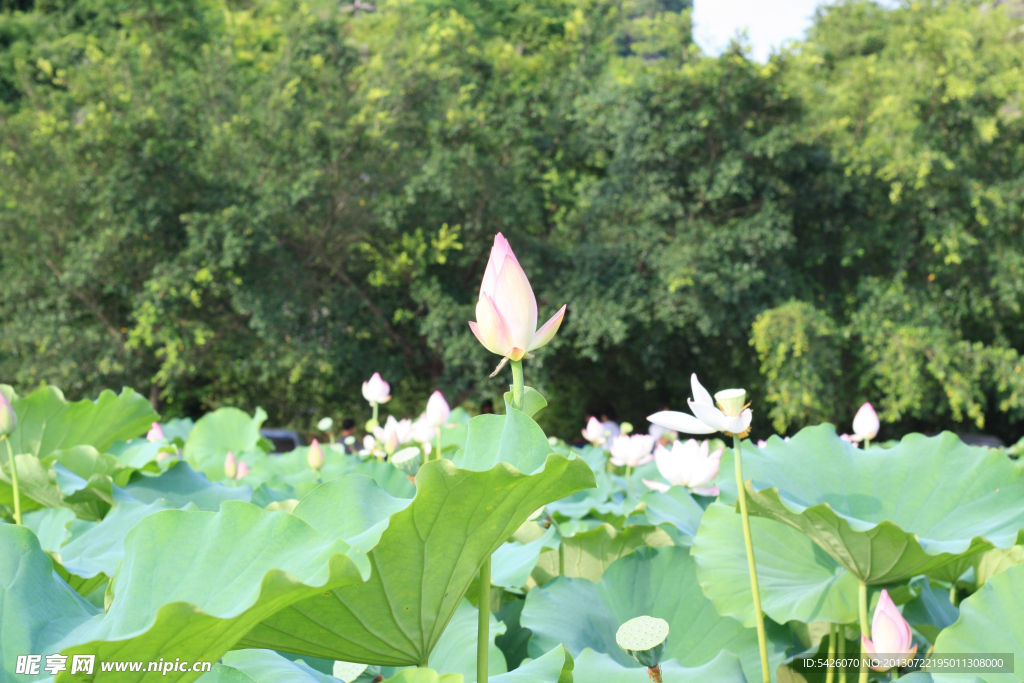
261,203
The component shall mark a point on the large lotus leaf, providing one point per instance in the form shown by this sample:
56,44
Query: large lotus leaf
47,422
798,580
991,621
887,514
290,472
512,563
37,608
262,666
997,561
554,667
37,484
676,507
192,583
659,582
589,553
604,499
930,610
594,666
181,485
223,430
50,525
429,551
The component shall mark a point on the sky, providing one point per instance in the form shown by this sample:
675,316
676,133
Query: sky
768,23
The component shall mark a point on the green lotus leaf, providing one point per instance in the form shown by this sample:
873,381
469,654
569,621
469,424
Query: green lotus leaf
37,484
997,561
50,525
421,675
263,666
512,563
180,485
659,582
47,422
676,507
605,499
931,610
991,621
223,430
887,514
429,551
555,666
595,666
38,608
589,553
192,583
798,580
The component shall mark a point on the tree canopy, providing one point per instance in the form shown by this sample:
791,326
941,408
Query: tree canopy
221,202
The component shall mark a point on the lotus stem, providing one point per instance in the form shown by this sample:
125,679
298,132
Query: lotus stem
517,384
374,405
842,652
830,675
483,638
629,482
952,594
758,615
14,480
865,628
654,672
895,674
438,456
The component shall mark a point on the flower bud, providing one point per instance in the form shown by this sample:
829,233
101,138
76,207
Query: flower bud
315,458
243,469
865,423
156,433
731,401
230,466
376,390
437,410
8,418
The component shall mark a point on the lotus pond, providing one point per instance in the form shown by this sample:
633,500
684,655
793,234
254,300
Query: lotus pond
453,548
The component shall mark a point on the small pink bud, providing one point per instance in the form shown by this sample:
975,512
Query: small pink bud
316,455
890,632
230,466
243,469
594,433
865,423
437,410
376,390
8,418
156,433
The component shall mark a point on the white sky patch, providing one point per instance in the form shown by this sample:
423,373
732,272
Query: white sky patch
768,23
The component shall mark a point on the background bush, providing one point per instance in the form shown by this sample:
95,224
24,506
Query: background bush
261,203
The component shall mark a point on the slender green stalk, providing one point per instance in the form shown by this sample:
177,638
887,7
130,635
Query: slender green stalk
741,491
842,652
483,637
895,674
374,404
867,444
437,456
14,480
830,675
952,594
518,389
629,481
865,628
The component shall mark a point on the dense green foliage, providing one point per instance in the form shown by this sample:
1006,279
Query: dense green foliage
260,203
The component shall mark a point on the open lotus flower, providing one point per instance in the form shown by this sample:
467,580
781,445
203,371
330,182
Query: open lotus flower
594,433
688,464
376,390
243,469
156,433
633,450
423,430
8,418
393,434
230,465
315,457
506,311
890,632
865,424
437,409
369,443
731,416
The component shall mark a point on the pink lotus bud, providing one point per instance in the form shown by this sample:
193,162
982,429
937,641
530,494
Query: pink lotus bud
230,466
890,632
690,464
243,469
8,418
865,423
506,310
155,434
376,390
315,458
761,443
437,410
633,450
594,433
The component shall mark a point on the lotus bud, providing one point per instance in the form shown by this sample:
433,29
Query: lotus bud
8,418
315,457
594,433
376,390
243,469
437,410
156,433
731,401
890,632
325,424
506,309
230,466
865,423
643,639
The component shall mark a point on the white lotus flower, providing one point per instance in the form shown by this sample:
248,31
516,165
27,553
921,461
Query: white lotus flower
424,430
437,409
632,450
394,433
865,424
376,390
688,464
730,416
594,433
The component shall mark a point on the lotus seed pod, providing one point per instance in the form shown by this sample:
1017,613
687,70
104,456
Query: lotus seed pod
325,424
730,401
407,460
643,639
